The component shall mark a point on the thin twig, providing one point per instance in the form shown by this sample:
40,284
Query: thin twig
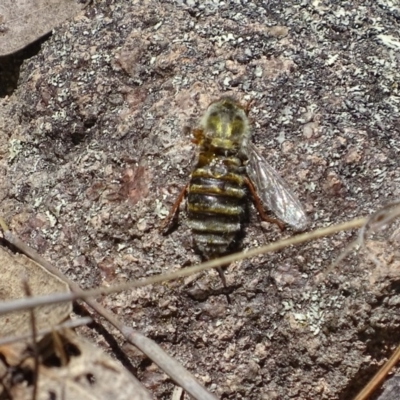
58,346
181,376
23,304
168,364
376,222
379,376
32,318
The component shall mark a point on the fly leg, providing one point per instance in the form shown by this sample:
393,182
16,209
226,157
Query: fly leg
198,135
222,276
173,213
259,207
247,106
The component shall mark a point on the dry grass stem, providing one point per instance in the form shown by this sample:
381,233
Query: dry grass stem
167,363
78,294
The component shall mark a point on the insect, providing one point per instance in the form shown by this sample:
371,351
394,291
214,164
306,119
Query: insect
228,169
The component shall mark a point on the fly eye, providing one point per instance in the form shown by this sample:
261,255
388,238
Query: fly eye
237,122
237,125
213,118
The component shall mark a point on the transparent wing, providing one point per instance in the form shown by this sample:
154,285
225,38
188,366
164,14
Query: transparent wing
274,191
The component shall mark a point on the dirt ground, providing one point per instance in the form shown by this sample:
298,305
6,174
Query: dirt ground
95,146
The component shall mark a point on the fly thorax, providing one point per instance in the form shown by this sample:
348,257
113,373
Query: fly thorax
218,167
223,146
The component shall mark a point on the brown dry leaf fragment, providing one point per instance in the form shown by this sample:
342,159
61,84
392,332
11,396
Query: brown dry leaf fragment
15,268
24,21
87,374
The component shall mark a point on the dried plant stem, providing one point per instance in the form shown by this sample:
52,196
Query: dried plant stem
28,293
168,364
24,304
379,376
377,221
148,347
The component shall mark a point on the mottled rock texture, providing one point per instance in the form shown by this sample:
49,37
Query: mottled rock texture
94,148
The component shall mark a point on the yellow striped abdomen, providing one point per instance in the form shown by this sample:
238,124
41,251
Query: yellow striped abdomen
215,208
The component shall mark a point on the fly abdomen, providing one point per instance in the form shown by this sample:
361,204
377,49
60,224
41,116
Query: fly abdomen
215,212
214,204
217,186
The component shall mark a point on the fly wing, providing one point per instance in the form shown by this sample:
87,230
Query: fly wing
274,191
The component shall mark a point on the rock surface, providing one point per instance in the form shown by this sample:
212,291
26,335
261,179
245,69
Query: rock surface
94,148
